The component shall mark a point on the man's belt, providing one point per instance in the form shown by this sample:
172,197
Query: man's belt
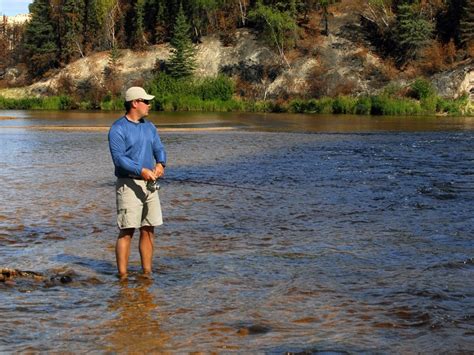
136,177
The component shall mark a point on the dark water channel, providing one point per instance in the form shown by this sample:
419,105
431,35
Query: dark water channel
282,234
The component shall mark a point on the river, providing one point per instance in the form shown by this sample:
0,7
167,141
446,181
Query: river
283,233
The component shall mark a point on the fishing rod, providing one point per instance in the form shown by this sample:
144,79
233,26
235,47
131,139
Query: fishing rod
238,187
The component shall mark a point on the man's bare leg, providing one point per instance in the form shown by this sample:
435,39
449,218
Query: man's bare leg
146,248
122,250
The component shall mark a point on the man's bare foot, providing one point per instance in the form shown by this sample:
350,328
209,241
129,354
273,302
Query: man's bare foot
122,277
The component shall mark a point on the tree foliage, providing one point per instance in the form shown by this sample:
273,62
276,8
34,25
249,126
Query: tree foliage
41,39
182,61
61,31
467,23
413,30
278,26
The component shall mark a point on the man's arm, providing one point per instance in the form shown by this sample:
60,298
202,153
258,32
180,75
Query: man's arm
118,151
159,154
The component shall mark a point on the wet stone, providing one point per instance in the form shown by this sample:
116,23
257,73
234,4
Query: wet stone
253,329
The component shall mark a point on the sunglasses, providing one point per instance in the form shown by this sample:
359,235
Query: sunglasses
146,102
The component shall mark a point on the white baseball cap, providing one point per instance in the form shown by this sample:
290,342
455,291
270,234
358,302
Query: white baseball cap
136,92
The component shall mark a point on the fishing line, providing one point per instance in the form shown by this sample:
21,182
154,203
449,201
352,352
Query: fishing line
191,181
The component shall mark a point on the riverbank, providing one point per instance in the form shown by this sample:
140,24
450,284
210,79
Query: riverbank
383,104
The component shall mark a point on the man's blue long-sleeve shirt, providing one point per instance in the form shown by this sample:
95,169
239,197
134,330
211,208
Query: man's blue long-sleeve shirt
134,146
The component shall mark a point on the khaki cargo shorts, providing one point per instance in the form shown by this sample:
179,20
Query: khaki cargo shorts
136,205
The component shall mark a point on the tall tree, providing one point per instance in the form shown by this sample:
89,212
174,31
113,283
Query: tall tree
278,26
40,39
182,61
447,21
139,38
466,24
161,27
72,36
92,26
414,31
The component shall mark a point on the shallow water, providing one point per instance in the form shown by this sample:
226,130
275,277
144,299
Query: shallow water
283,234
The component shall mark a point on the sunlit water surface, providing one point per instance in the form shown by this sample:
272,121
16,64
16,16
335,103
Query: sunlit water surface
282,234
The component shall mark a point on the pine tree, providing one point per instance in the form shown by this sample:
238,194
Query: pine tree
182,61
92,26
160,23
40,39
413,31
73,11
466,24
139,36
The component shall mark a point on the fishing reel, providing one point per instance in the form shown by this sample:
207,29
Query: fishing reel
152,185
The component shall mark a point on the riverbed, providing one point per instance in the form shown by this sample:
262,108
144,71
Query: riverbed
283,233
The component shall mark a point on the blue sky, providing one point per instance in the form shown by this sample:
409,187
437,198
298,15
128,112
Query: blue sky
14,7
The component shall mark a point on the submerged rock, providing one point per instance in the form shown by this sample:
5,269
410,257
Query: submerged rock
12,276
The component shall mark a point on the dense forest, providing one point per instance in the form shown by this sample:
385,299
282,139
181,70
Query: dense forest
61,31
429,35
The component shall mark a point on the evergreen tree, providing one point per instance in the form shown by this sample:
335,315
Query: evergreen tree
466,24
92,26
72,38
40,39
447,21
161,29
140,40
413,30
182,61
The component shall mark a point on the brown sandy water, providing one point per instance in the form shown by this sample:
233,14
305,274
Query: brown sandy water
282,234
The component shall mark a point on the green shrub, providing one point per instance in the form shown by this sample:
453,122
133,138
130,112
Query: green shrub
344,105
422,89
363,106
384,105
66,103
429,104
112,104
219,88
452,106
185,94
296,106
324,105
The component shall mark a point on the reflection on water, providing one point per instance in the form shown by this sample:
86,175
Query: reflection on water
276,239
137,325
255,121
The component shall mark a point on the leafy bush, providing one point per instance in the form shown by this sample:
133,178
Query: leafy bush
363,106
344,104
452,107
428,104
421,89
219,88
186,94
384,105
111,104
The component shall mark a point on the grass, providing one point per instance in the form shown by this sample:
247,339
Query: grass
217,95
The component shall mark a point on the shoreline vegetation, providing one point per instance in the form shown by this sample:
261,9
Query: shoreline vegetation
218,95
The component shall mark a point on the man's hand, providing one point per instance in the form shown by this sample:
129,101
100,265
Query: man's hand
148,175
159,171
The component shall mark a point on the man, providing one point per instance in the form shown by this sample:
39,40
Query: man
139,159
